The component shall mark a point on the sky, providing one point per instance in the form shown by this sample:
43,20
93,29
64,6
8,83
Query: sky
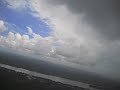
81,32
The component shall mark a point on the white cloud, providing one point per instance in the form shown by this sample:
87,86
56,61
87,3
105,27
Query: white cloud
35,45
30,32
2,26
25,37
18,36
72,39
16,4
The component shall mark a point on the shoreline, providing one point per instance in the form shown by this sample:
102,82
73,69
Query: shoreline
50,77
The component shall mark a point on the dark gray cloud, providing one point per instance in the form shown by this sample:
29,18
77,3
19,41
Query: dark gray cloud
103,15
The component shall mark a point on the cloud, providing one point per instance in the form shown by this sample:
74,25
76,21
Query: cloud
16,4
30,32
2,26
35,45
75,38
103,15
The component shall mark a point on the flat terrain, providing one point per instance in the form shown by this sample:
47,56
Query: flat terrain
11,80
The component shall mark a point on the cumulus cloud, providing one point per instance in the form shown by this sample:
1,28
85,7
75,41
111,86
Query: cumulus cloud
2,26
35,45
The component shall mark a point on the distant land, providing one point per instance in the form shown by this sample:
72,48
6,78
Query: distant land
48,68
11,80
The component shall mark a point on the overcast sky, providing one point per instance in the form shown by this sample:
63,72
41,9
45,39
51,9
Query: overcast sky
83,32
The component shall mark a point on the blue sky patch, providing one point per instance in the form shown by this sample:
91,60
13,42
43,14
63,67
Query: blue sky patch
20,20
